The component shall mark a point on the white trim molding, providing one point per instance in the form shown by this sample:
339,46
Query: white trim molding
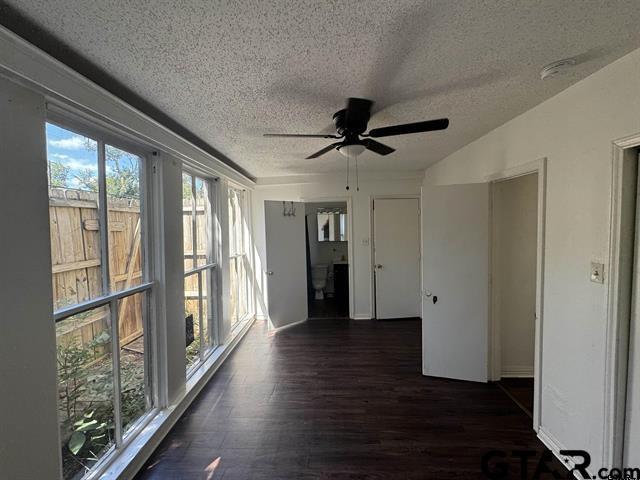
284,327
624,172
62,86
350,242
555,446
538,166
517,371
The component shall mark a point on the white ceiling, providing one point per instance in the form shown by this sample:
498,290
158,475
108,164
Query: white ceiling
231,71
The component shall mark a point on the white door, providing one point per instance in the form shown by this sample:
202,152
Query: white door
455,312
396,242
286,263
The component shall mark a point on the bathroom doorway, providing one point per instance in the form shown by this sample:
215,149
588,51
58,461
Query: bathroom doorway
327,255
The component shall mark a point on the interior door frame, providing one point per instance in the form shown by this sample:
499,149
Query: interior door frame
372,247
350,240
540,167
619,297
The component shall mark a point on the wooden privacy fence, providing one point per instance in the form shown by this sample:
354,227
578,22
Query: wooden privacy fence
77,263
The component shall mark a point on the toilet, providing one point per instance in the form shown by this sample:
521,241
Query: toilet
319,279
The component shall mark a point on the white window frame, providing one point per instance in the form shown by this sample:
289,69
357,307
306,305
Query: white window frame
211,266
104,137
243,257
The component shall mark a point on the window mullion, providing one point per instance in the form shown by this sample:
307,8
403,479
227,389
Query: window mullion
115,356
103,214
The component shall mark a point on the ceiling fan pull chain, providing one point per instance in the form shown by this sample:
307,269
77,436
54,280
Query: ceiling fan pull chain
357,177
347,173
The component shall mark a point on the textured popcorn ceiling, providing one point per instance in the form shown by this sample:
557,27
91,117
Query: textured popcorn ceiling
230,71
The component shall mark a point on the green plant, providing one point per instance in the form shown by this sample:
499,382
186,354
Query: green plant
85,384
89,432
71,359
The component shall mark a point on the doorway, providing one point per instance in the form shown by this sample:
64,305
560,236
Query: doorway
396,257
622,398
514,248
327,259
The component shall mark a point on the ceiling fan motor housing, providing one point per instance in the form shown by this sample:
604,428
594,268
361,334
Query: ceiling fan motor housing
353,124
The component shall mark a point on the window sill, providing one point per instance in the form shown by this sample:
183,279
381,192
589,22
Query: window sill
131,458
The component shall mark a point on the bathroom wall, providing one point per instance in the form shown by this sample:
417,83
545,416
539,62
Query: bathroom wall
324,252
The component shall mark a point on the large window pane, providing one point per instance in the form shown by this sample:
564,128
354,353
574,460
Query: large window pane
135,391
198,252
238,280
85,389
72,164
122,172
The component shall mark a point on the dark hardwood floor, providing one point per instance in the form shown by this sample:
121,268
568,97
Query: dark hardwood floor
330,307
521,391
337,399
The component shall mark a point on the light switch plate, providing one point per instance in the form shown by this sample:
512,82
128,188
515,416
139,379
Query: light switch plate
597,272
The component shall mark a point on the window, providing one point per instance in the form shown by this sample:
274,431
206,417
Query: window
238,279
199,267
101,292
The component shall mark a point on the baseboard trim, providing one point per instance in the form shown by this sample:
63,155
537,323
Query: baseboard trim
362,316
555,446
516,371
284,327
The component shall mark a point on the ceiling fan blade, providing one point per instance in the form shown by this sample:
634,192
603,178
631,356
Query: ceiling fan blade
301,135
377,147
418,127
324,150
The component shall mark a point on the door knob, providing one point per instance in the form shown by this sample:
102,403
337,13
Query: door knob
269,272
378,266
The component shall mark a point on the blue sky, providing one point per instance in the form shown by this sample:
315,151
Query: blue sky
69,149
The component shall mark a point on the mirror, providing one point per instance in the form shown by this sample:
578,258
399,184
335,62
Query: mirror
332,226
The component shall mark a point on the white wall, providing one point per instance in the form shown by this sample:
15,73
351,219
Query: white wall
574,130
514,245
28,412
315,188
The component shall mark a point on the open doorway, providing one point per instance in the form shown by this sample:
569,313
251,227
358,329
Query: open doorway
514,250
622,395
327,253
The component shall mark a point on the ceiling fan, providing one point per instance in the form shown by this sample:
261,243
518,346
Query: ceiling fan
351,123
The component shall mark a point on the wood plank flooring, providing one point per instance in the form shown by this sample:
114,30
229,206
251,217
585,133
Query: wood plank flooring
340,399
521,391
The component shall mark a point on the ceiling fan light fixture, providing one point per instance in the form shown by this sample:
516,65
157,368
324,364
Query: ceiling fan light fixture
351,150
